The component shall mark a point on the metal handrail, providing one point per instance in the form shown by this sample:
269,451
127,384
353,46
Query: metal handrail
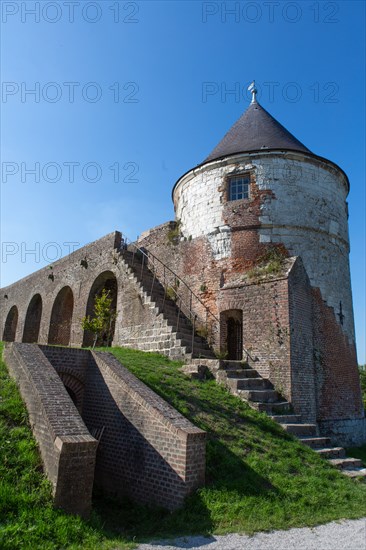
177,282
191,315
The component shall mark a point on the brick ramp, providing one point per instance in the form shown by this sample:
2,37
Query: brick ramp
147,450
68,450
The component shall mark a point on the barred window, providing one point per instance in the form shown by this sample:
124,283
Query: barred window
239,187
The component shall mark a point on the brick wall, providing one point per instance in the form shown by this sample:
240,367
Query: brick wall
67,448
338,381
303,386
266,327
76,277
71,364
148,450
67,272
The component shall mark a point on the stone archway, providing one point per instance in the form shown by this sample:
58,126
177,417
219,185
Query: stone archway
61,318
231,333
105,281
11,325
33,320
73,386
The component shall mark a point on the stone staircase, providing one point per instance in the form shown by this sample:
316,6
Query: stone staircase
172,334
246,383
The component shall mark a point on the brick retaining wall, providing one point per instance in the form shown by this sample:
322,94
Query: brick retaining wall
147,451
67,448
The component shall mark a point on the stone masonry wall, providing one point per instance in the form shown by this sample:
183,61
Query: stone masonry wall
68,271
303,376
338,381
137,324
148,450
295,200
67,448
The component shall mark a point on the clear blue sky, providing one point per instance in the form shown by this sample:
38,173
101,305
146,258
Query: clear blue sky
161,73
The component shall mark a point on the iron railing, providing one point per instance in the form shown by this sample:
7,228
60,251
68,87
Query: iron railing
204,323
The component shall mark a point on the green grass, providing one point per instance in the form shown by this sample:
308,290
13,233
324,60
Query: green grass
258,477
27,519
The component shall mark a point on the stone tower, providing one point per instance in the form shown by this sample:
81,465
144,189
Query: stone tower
254,267
261,194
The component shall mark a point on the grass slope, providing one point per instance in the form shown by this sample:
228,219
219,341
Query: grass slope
258,477
27,519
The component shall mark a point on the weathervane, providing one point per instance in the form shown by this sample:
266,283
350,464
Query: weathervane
253,90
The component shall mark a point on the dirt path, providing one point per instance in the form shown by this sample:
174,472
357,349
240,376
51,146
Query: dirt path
342,535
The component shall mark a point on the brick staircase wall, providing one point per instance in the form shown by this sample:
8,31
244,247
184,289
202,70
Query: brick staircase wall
148,451
68,450
145,449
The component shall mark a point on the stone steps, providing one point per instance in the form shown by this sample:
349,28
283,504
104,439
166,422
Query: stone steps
346,463
244,373
336,456
272,408
176,337
287,418
315,442
300,429
356,472
331,452
251,383
245,382
259,396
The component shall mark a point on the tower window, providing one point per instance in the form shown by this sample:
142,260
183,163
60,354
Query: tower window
239,187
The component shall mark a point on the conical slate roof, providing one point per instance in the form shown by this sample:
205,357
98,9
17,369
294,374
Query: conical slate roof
256,129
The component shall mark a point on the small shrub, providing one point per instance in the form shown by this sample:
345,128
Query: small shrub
171,293
270,263
174,234
202,331
102,321
221,354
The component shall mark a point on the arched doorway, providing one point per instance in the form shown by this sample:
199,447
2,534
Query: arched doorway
61,317
72,395
74,387
105,281
33,320
11,325
231,333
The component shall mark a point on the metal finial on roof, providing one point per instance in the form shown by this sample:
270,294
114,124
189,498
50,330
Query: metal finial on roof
254,129
253,90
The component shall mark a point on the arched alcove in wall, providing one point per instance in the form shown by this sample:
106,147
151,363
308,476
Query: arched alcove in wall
105,281
33,320
74,387
11,325
61,318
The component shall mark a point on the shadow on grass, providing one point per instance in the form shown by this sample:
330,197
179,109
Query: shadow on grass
226,474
